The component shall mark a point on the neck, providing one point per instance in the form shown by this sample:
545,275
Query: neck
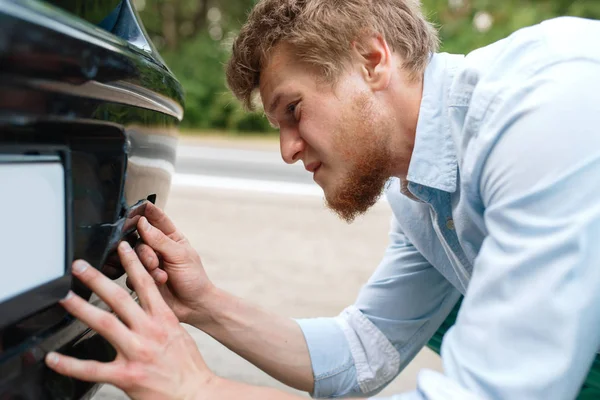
406,104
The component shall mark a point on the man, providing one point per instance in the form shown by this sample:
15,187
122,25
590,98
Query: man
495,163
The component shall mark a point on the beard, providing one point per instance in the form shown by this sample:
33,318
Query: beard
364,145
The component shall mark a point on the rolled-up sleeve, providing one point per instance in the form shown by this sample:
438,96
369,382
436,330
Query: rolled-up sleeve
360,351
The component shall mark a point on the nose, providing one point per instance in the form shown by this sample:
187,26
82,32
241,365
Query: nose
292,145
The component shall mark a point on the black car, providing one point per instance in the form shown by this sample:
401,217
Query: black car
88,132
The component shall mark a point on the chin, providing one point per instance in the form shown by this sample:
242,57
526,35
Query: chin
323,185
328,190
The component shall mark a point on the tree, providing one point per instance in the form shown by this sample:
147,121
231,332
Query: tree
171,23
194,37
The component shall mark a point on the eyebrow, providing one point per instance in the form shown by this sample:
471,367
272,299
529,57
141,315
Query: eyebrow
278,98
275,103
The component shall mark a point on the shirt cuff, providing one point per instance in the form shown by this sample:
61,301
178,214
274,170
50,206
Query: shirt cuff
332,362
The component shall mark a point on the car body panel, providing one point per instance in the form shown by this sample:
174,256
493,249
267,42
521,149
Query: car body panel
109,97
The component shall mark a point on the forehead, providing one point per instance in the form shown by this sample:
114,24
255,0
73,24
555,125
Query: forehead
284,71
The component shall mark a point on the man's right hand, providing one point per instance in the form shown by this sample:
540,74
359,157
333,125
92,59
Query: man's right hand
273,343
174,264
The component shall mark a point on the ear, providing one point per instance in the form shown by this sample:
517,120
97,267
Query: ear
375,61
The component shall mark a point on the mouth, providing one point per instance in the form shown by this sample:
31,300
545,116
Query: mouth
316,177
313,167
316,170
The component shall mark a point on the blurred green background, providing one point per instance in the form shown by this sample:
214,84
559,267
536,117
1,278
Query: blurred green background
195,36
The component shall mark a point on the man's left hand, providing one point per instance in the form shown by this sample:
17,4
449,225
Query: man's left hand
156,357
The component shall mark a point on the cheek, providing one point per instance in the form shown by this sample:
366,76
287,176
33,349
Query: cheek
313,129
322,125
333,115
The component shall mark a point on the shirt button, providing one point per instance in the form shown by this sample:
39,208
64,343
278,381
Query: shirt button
450,224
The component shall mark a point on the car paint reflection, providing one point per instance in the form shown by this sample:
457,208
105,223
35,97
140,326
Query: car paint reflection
112,100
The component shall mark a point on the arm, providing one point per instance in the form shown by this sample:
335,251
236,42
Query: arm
273,343
528,326
280,346
316,355
156,357
396,312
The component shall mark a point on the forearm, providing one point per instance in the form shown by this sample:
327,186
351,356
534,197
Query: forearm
273,343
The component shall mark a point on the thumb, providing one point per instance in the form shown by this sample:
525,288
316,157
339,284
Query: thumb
158,241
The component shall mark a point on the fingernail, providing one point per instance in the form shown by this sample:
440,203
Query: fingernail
144,224
155,274
68,296
52,358
79,266
125,246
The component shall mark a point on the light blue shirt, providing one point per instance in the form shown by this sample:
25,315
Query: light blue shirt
506,167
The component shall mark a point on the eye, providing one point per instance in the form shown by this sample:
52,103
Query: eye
291,110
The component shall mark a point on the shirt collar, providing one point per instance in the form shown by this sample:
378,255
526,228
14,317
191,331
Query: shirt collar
433,162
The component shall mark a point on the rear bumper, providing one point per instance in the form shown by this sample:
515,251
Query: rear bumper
117,110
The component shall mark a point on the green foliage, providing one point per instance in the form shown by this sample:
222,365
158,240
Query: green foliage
458,31
199,66
93,12
184,32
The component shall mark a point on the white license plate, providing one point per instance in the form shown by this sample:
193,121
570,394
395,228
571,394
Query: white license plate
32,224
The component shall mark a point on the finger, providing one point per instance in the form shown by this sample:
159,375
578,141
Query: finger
103,322
90,371
155,238
150,260
112,294
147,256
159,275
140,279
159,219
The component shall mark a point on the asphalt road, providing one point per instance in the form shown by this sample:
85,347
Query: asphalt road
242,163
278,248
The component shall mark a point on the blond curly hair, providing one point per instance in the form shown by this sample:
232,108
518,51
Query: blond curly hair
321,33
